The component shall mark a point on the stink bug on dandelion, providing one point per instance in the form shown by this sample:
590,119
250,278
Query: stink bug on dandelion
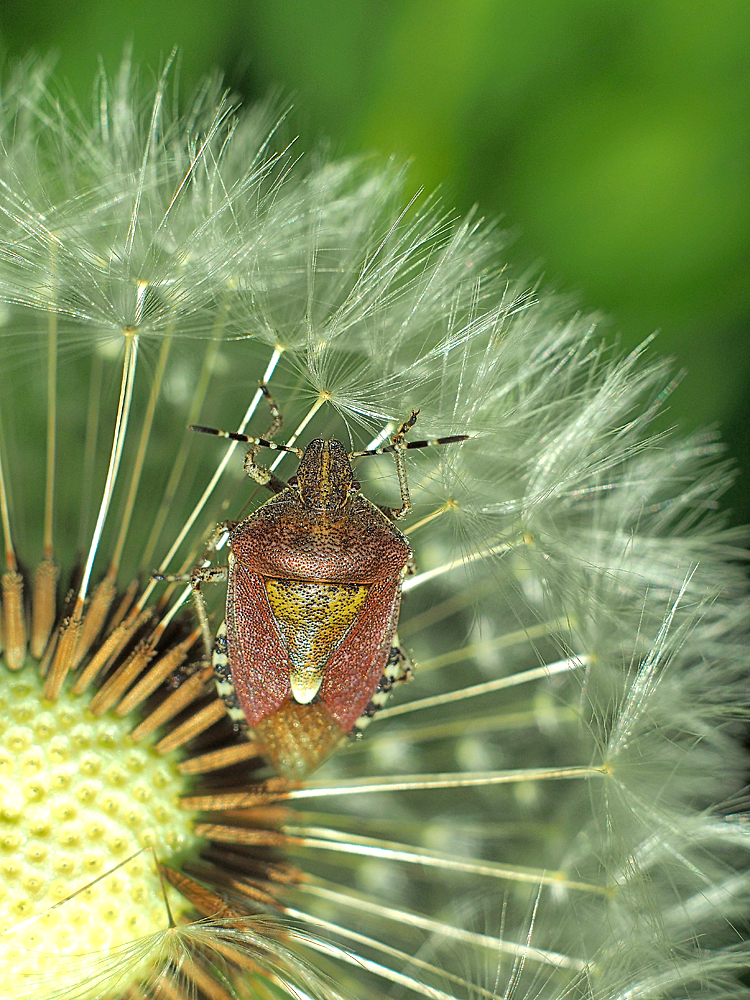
308,651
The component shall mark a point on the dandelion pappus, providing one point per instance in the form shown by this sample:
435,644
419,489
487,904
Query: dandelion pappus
308,649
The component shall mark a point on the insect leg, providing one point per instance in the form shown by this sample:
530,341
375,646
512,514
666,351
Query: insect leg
398,670
223,680
277,419
199,576
212,545
202,573
398,445
258,472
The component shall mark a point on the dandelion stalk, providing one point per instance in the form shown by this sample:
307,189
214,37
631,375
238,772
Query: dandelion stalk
14,623
47,572
70,631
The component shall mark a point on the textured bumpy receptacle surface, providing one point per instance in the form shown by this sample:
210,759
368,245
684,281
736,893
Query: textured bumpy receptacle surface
78,798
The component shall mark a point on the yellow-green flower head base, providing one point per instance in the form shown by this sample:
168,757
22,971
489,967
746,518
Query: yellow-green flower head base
84,812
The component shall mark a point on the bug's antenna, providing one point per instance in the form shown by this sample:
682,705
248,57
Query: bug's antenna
246,439
409,445
398,442
397,447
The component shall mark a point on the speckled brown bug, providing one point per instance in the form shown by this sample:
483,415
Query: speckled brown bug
308,649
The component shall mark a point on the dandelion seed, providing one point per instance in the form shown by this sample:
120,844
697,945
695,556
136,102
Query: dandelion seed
550,807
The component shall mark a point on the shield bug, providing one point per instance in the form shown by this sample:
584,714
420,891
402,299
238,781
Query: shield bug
308,650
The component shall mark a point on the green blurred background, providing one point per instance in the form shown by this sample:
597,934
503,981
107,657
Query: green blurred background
612,138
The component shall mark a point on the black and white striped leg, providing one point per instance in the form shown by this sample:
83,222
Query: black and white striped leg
277,418
398,445
223,680
257,472
398,669
200,574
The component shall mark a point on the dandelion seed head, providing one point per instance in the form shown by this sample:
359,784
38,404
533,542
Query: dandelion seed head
548,808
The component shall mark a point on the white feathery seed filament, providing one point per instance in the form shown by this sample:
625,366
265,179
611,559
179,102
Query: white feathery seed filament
49,489
422,782
412,582
185,530
322,398
118,441
410,918
479,690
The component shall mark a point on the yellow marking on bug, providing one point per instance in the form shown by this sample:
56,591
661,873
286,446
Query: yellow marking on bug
313,619
326,486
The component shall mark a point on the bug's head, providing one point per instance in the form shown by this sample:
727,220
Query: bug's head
324,476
